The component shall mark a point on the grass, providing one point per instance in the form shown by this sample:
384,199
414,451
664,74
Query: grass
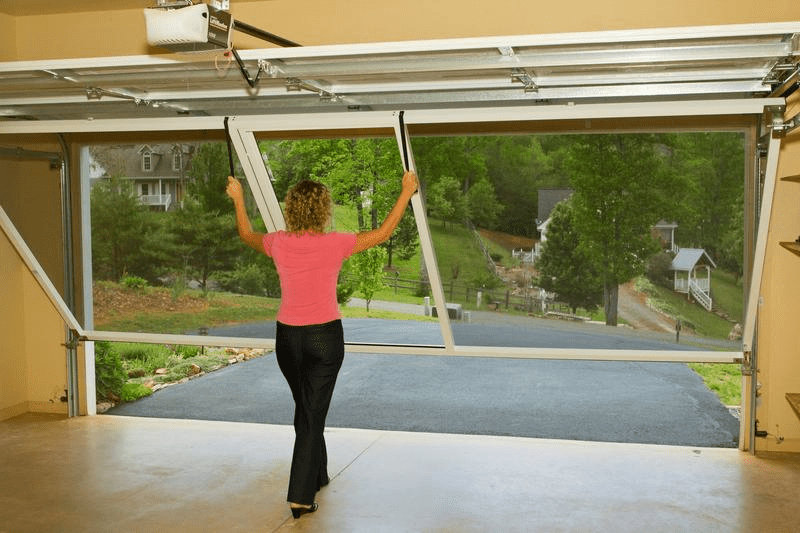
728,294
691,314
223,308
724,379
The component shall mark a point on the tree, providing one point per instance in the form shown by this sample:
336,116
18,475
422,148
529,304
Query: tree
482,204
368,269
125,235
203,242
363,173
622,188
711,207
446,201
209,176
565,266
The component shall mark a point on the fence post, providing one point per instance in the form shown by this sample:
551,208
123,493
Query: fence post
508,297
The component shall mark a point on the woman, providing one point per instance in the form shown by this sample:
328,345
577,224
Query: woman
309,342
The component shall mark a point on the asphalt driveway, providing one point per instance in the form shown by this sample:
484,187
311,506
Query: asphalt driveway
652,403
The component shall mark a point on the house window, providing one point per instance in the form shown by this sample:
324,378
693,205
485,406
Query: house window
147,161
145,189
177,161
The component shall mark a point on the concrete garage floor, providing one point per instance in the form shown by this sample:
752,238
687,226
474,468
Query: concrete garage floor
128,474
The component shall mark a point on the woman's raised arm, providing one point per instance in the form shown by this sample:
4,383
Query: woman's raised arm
368,239
249,237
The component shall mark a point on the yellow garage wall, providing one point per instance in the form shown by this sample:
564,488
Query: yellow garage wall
8,38
30,196
778,334
13,356
44,337
315,22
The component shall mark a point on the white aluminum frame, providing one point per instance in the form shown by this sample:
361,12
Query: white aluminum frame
767,196
242,135
243,139
243,130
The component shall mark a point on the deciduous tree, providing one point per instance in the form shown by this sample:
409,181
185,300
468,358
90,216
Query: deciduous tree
622,187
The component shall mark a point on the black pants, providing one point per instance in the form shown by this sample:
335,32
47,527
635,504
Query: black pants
309,358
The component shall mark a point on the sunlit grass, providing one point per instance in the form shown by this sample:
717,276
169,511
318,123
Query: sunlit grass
724,379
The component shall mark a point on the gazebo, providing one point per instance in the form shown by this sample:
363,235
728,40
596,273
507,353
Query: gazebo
687,264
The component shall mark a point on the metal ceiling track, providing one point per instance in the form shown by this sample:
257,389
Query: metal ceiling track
734,62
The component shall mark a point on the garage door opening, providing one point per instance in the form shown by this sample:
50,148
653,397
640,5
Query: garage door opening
491,288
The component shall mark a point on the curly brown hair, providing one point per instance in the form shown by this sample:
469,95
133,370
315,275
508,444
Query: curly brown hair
308,207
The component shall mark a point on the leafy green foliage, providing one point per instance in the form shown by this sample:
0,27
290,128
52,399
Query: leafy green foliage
124,233
258,278
202,241
368,269
709,209
482,204
622,188
186,351
146,356
446,201
133,391
109,373
208,176
133,283
566,267
658,269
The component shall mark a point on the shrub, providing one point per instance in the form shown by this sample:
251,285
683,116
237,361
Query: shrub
186,351
257,278
134,283
146,356
658,269
110,375
131,392
344,291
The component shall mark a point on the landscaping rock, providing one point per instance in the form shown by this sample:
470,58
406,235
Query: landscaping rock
102,407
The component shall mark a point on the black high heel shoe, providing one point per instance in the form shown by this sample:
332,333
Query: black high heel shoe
297,512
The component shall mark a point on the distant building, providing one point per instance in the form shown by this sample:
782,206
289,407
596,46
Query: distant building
665,233
548,199
692,268
157,172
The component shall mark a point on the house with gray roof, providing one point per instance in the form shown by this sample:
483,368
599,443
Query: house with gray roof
157,172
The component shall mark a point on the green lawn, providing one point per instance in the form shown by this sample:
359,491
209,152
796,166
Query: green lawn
691,314
724,379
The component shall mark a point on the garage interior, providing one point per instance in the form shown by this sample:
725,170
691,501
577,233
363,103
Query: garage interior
86,473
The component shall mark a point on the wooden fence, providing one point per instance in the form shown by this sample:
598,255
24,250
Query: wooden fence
492,299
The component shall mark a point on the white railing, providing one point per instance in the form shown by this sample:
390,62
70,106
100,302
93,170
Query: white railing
156,199
701,296
522,255
682,285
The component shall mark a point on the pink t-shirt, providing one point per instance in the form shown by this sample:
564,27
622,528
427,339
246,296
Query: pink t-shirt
308,265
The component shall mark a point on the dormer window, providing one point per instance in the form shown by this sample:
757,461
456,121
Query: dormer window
147,161
177,161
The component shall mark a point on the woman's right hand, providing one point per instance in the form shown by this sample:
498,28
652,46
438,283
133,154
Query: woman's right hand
410,183
234,189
